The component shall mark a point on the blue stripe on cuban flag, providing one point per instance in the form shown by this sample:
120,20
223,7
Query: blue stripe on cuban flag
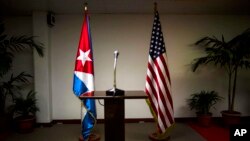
83,84
79,87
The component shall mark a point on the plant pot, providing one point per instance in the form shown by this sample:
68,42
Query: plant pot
25,124
153,137
5,122
231,117
204,120
5,126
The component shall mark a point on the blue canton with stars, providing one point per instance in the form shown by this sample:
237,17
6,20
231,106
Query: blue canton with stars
157,45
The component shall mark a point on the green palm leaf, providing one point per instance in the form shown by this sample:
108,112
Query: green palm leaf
230,55
9,45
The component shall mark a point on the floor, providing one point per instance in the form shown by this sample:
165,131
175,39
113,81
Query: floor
133,131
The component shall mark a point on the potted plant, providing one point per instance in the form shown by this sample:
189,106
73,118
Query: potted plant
232,56
202,103
25,109
10,86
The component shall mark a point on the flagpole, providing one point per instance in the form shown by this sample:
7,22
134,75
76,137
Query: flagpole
81,113
155,7
85,9
85,6
81,137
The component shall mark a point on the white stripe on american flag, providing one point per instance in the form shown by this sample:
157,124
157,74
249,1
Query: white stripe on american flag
152,96
164,89
161,91
167,72
149,88
160,123
160,88
163,69
169,81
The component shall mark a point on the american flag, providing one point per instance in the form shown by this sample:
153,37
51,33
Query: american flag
158,84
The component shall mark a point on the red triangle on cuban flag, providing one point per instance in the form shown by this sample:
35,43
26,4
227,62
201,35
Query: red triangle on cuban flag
84,70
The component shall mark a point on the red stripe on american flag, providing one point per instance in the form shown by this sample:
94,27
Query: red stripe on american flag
168,92
153,104
151,101
163,57
163,121
166,109
164,112
151,90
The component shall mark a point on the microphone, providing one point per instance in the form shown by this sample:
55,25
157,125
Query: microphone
116,53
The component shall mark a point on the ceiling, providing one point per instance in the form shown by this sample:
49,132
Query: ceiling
25,7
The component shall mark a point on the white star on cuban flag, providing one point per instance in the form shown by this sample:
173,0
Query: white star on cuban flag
84,73
84,56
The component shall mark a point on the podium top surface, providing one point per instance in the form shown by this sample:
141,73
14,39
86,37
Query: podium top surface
127,95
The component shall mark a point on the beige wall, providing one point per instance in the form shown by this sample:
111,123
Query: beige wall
130,34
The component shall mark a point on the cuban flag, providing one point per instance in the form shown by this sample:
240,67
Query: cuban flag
83,83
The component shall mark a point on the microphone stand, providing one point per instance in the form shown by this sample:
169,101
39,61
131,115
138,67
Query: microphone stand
114,91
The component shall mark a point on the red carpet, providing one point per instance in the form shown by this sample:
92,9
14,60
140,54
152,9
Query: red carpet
212,133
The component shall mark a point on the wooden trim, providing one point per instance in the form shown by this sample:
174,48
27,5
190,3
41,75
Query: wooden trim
78,121
129,120
244,119
67,121
127,95
47,124
185,119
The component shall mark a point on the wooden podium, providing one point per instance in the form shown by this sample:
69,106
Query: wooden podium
114,112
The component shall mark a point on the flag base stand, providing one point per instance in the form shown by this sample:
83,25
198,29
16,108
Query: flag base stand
115,92
153,137
92,137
